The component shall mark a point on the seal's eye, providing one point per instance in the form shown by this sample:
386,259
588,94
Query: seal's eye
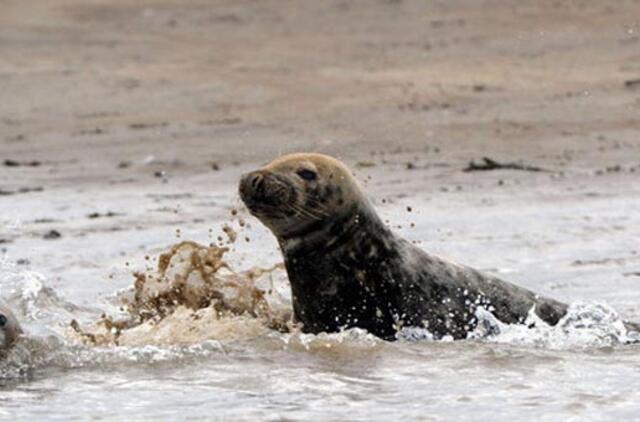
307,175
3,321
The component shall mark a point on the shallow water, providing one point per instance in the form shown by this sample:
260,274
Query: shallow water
581,370
343,377
551,372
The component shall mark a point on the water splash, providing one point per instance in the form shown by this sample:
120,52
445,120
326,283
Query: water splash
175,332
31,299
192,296
52,353
586,325
353,337
194,305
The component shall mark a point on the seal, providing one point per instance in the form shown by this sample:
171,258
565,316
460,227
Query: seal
348,269
10,329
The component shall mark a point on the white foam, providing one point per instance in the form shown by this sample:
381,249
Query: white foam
31,299
353,337
586,325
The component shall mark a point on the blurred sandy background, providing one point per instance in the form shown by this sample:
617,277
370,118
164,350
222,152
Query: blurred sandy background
95,83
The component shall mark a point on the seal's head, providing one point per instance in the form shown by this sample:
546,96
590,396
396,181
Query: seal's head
300,193
9,328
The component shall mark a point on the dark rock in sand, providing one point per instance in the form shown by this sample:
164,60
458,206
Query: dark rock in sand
52,234
21,190
15,163
488,164
99,215
632,83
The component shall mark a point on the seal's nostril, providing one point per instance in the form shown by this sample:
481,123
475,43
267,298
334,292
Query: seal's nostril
257,181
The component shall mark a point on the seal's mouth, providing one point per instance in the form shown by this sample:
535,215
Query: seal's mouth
265,193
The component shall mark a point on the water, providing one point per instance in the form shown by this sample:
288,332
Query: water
339,377
583,369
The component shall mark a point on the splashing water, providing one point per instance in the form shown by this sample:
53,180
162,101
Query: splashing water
586,325
192,296
178,311
194,304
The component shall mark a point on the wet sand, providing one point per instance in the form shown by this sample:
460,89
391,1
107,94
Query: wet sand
125,127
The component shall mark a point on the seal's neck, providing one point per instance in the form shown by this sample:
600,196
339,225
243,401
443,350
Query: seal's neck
361,220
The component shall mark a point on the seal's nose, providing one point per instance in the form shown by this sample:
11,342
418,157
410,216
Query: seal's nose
252,185
257,181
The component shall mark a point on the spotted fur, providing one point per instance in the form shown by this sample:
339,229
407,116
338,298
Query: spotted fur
347,269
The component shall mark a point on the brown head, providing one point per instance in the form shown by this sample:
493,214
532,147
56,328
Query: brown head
300,193
9,328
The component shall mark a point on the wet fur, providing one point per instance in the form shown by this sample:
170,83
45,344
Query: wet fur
347,269
370,278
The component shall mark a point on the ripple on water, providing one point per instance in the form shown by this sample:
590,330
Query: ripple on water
579,367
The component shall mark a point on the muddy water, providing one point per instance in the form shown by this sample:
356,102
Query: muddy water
228,362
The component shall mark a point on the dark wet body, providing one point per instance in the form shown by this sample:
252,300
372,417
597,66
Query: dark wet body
357,273
347,269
